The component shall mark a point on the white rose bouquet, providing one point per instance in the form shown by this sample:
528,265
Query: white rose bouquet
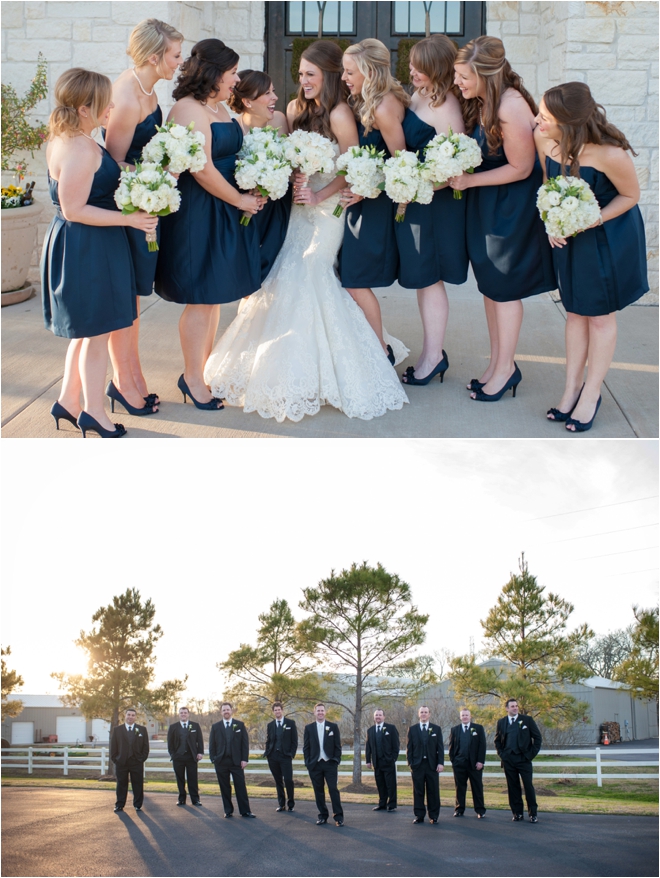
567,206
149,188
261,165
177,148
449,155
363,168
407,179
310,152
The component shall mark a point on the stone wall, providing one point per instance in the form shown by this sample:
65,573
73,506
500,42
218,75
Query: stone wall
95,35
613,47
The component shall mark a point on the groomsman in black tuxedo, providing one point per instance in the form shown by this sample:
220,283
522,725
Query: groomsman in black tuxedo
517,741
467,752
382,751
322,752
129,748
426,758
229,751
281,746
185,745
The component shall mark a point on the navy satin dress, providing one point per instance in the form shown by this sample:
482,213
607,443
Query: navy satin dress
272,222
87,277
369,256
601,270
506,240
206,257
431,238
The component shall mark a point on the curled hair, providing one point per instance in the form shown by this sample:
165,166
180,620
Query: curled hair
313,116
581,120
209,59
151,37
77,88
253,84
485,56
373,61
435,57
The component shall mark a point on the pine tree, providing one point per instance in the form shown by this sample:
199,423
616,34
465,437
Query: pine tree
10,681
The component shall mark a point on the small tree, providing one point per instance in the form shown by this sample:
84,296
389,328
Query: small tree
365,626
526,631
603,654
18,133
10,681
640,669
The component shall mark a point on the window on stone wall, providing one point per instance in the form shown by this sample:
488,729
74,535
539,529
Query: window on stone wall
335,18
410,19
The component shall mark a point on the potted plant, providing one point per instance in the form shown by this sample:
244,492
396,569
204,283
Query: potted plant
20,214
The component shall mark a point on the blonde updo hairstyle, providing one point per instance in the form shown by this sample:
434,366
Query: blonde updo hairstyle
151,37
373,61
77,88
435,57
485,56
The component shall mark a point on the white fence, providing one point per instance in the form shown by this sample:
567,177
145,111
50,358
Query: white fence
66,760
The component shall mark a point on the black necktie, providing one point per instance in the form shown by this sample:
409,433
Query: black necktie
185,725
424,727
465,728
279,724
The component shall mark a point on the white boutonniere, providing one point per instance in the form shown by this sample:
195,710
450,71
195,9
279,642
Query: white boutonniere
520,723
327,728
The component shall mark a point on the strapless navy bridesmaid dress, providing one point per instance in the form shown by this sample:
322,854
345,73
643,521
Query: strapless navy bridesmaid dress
369,256
506,240
87,276
431,238
272,222
206,257
601,270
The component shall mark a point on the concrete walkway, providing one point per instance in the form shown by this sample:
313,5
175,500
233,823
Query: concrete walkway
33,360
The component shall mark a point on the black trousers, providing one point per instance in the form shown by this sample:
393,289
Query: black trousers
135,770
462,773
186,768
326,772
281,767
426,783
385,776
517,768
223,769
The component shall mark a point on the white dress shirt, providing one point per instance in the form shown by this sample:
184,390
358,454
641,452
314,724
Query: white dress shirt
320,728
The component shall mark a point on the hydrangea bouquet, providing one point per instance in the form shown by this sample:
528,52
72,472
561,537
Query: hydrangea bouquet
449,155
261,165
310,152
567,206
177,148
407,179
363,168
149,188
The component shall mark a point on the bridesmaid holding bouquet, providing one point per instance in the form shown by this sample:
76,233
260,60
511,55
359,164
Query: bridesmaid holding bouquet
602,269
87,277
155,48
506,241
206,257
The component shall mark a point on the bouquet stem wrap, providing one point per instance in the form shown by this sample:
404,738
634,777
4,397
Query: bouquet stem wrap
152,241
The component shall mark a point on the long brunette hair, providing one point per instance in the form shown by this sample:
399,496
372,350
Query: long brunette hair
209,60
310,116
373,61
435,57
485,55
581,120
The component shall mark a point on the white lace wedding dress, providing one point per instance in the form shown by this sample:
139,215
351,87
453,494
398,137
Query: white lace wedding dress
301,342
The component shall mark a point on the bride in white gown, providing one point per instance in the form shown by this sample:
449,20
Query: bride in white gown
301,341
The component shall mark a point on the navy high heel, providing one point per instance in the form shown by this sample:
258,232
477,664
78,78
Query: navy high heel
583,427
87,422
512,383
58,411
211,405
114,395
475,384
440,370
558,415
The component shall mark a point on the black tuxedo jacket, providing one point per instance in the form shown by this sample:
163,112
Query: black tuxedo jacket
529,737
331,744
289,738
195,739
477,750
391,746
434,748
121,749
239,749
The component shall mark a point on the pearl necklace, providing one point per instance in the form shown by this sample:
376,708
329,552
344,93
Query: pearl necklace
147,93
204,104
88,137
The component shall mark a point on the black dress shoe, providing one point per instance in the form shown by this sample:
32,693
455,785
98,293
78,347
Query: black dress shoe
229,814
292,807
281,808
380,808
391,808
180,803
138,809
458,813
198,804
248,814
516,818
433,820
119,807
480,816
418,820
534,819
321,821
339,822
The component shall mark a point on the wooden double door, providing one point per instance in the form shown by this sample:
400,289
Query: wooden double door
355,21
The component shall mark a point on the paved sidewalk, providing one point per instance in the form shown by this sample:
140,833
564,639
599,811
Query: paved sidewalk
33,361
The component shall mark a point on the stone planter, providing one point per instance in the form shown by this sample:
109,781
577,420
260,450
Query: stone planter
19,236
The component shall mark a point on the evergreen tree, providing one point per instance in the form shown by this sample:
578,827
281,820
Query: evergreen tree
640,669
10,681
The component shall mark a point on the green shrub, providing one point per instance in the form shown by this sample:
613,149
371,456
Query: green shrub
18,133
